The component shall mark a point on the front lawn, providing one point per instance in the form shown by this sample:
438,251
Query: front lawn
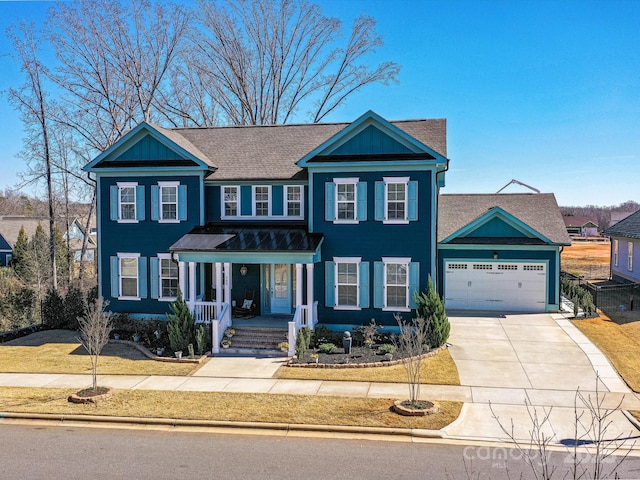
59,351
619,342
243,407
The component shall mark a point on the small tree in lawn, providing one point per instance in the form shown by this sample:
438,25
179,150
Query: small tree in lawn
411,344
95,327
429,305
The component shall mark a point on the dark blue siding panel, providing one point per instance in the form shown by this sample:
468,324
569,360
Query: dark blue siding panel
246,200
148,148
212,203
277,192
370,140
496,227
148,238
372,240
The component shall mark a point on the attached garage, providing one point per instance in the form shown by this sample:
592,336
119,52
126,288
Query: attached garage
500,252
495,286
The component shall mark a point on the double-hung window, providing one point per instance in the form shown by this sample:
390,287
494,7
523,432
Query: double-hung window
615,253
345,200
395,282
630,256
230,201
347,283
164,277
128,276
169,202
293,200
126,202
396,200
261,200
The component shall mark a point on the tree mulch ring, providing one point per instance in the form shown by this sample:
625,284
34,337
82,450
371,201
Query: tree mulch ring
421,408
89,395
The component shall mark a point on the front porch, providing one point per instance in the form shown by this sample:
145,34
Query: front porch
230,276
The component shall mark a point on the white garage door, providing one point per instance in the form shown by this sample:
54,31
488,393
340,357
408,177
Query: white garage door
497,286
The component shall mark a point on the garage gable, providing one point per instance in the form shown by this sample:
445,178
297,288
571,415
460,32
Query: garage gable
496,223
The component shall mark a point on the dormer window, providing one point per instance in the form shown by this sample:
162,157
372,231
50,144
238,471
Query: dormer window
261,203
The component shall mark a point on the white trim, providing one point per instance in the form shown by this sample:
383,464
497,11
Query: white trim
630,256
285,202
175,185
396,181
166,256
128,256
353,261
253,201
120,186
615,253
346,181
395,261
223,203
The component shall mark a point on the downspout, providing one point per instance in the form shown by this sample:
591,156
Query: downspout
437,262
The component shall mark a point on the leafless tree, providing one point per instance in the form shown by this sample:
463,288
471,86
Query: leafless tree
95,328
411,343
266,59
31,100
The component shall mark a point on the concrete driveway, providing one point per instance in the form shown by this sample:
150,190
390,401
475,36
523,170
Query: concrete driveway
536,359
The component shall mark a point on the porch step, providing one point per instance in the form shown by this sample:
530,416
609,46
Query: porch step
258,338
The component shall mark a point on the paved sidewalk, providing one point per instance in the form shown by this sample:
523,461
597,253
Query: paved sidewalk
491,384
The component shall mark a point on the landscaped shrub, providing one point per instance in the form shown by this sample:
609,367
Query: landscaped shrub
327,347
201,339
53,313
322,334
387,348
181,326
75,305
429,306
23,303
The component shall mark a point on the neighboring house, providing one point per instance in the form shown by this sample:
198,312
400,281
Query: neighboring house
10,228
76,239
500,252
6,250
625,249
335,223
580,226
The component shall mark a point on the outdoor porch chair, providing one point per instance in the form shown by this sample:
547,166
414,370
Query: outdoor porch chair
247,308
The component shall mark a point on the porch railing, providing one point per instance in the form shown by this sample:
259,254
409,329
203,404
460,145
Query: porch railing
304,316
220,320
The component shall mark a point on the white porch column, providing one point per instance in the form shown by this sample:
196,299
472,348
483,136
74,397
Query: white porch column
298,284
182,279
218,282
192,284
309,284
227,283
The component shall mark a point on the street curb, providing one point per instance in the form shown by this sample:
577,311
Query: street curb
174,422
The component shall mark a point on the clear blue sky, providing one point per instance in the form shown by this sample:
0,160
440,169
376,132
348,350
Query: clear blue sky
545,92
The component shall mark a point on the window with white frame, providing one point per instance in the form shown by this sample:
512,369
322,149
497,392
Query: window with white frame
615,253
261,203
293,200
630,256
347,283
396,284
396,195
346,201
396,200
168,281
231,201
128,276
168,200
127,201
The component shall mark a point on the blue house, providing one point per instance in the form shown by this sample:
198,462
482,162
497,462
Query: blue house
331,223
625,249
5,251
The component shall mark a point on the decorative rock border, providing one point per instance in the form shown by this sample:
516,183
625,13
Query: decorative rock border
390,363
399,407
151,356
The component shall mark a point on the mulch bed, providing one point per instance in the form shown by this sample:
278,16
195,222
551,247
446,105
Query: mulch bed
359,357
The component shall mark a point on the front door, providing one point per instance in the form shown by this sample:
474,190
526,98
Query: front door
280,288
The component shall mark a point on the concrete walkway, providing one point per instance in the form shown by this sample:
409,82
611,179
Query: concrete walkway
502,362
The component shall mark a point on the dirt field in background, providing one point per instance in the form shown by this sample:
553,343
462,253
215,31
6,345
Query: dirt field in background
590,260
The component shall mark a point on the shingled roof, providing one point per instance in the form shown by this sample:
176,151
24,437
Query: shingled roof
539,211
271,152
628,227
